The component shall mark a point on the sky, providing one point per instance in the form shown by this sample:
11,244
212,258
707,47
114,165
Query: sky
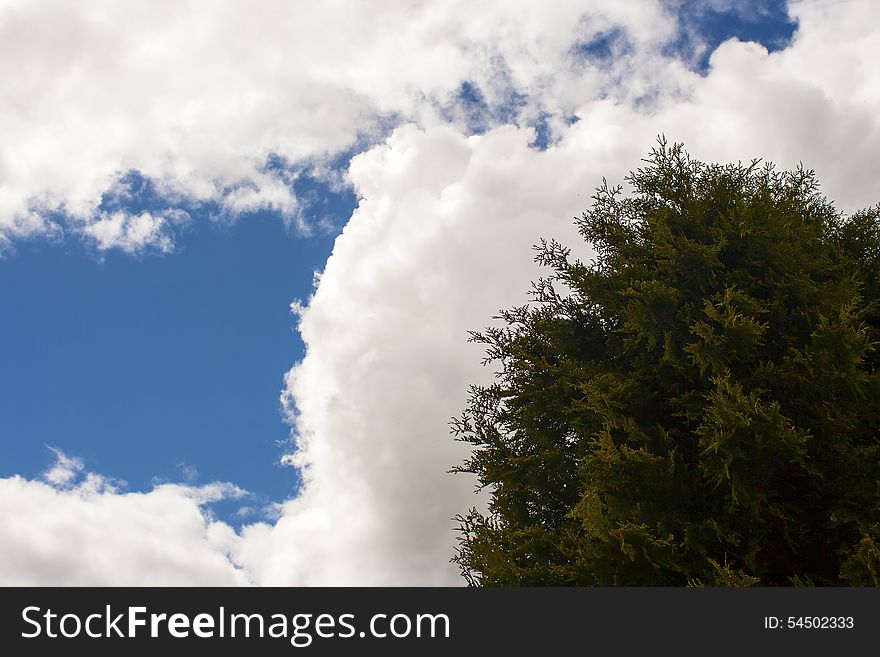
241,245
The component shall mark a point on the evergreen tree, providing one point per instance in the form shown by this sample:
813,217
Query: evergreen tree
697,405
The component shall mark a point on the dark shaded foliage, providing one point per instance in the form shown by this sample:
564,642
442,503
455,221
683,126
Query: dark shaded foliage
699,404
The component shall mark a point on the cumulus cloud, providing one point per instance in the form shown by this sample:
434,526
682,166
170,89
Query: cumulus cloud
197,96
77,528
441,238
130,233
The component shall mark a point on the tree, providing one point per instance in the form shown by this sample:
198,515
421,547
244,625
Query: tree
697,405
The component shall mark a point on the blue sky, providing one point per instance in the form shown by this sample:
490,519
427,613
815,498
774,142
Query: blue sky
161,366
145,322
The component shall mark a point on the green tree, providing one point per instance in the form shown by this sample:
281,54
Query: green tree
697,405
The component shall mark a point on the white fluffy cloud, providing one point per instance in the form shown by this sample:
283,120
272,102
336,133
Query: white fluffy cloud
79,529
131,233
196,95
441,239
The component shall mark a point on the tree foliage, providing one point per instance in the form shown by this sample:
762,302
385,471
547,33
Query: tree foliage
697,405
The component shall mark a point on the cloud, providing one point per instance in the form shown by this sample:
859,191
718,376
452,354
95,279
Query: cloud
387,363
64,470
130,233
63,532
441,239
197,97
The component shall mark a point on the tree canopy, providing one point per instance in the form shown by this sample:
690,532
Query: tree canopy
698,404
